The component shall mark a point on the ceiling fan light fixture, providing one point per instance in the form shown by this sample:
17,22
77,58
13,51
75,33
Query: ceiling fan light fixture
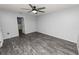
34,11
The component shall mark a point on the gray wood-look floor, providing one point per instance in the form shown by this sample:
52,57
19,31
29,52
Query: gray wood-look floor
37,44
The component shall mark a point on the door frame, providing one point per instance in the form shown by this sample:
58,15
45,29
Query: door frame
23,24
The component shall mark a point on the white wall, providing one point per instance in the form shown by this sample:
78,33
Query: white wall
9,23
63,24
30,24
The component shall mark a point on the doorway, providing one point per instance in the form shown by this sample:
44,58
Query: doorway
20,21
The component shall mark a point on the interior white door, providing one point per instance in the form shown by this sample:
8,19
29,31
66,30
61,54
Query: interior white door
1,38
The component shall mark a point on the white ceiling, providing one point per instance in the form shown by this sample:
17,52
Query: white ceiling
49,7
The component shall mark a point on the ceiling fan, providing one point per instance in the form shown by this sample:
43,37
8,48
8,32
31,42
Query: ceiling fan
34,9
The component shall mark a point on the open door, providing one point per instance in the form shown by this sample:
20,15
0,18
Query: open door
20,21
1,38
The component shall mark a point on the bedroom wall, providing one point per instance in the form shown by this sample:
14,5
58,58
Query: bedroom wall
63,24
9,23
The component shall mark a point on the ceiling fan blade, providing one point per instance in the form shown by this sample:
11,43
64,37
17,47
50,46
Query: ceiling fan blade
41,8
30,5
42,11
25,9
